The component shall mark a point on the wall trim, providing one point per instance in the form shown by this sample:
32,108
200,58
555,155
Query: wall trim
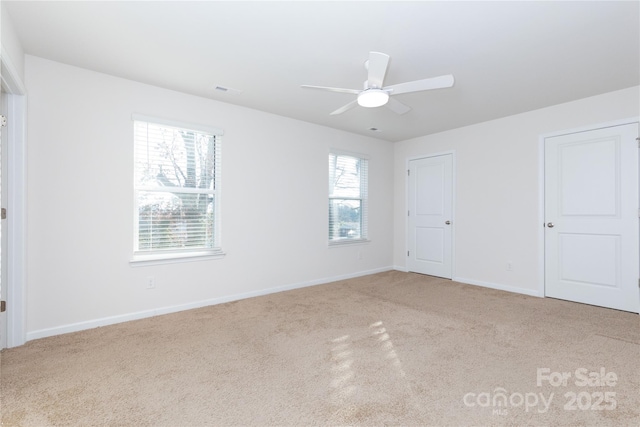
16,202
111,320
16,222
508,288
587,128
10,76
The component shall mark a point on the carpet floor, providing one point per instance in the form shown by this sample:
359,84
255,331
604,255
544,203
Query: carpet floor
387,349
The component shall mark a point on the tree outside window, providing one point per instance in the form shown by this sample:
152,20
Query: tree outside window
347,197
176,183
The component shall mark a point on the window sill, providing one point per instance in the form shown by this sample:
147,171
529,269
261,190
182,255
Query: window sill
159,259
348,242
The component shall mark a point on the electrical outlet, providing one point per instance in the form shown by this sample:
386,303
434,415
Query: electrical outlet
151,282
509,266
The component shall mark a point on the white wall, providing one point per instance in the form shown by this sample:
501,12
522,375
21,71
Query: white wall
11,46
497,172
80,199
80,217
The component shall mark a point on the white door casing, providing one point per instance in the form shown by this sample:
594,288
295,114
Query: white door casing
15,186
591,217
430,216
3,222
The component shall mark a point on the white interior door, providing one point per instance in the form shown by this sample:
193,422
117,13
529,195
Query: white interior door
430,216
591,217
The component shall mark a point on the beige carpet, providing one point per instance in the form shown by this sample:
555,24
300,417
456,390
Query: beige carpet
387,349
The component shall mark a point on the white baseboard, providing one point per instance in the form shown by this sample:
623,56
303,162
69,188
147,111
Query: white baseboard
514,289
105,321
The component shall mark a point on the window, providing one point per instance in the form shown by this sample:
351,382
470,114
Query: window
177,190
348,175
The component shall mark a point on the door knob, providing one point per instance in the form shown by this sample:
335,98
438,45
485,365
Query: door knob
447,222
550,224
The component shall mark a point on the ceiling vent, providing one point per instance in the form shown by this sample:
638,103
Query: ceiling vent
227,90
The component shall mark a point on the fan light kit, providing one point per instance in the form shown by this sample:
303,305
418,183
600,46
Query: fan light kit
375,94
372,98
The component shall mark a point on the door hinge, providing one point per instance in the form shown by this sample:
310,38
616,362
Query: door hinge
638,139
3,213
408,172
3,306
407,253
3,121
408,213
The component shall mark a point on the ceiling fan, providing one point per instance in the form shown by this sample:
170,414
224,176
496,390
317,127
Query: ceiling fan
375,94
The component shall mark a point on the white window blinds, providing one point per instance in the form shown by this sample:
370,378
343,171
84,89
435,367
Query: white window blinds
348,180
177,184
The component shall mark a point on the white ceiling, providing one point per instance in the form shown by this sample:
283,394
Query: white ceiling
507,57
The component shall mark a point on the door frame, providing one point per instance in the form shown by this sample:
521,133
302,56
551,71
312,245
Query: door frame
453,205
541,186
16,202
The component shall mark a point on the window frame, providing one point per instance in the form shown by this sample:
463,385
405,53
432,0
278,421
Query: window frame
364,200
173,255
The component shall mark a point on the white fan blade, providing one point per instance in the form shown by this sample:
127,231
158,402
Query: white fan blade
333,89
377,68
418,85
397,106
344,108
